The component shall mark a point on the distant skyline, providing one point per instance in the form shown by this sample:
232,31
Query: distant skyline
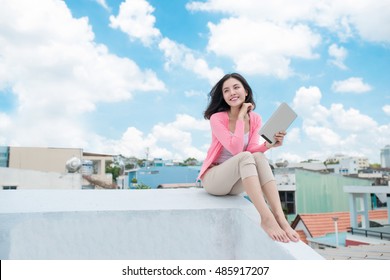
124,77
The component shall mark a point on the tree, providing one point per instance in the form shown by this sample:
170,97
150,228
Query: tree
191,161
130,166
115,170
375,165
142,186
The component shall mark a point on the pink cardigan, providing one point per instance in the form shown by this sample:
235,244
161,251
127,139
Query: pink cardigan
234,143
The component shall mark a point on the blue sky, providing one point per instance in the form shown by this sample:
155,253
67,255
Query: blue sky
121,77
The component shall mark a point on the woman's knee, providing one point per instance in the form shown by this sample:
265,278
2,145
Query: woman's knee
247,165
264,168
246,156
260,159
260,156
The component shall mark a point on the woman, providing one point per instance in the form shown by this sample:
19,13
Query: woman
235,161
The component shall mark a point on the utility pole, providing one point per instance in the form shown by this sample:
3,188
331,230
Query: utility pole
336,230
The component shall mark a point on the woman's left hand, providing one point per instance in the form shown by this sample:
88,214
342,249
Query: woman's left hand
279,138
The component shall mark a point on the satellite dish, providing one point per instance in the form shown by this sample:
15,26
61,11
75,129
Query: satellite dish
282,163
73,165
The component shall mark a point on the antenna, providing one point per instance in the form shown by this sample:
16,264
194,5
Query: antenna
147,153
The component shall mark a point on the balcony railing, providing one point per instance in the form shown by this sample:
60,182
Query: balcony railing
381,232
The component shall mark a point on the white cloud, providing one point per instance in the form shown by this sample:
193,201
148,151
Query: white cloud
5,121
259,47
277,10
103,3
353,85
179,55
293,135
132,143
386,109
351,119
338,55
368,19
57,73
372,19
186,122
307,102
263,37
335,129
165,140
135,18
323,135
193,93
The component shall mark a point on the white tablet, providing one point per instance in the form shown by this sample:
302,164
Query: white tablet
280,120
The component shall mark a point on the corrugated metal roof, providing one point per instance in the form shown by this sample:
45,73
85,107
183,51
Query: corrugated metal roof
361,252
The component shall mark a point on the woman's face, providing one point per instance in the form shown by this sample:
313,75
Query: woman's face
234,92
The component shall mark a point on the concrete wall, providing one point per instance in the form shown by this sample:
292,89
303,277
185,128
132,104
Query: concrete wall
321,193
135,224
42,159
30,179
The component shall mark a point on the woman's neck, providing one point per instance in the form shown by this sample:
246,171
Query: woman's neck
233,113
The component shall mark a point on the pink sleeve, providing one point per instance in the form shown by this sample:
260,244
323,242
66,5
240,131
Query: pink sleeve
233,142
253,145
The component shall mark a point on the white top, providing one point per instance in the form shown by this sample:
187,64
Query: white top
225,154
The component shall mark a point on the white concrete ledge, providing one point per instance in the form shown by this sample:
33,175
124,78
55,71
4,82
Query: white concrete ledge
135,224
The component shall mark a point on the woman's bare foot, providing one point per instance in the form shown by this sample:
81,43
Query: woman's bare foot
273,229
285,226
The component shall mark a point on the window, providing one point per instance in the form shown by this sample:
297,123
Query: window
150,172
287,198
9,187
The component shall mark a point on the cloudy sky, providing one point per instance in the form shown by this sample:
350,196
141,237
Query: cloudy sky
121,77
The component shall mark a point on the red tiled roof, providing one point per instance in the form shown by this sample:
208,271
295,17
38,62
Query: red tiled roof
302,236
322,223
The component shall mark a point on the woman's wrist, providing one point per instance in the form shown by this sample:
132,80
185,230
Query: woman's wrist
241,117
267,145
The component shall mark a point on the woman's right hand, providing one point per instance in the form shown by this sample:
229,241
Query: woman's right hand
245,109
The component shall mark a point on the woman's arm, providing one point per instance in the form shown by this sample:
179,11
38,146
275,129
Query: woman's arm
254,145
233,142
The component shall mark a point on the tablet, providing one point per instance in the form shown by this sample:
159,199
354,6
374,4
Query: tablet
280,120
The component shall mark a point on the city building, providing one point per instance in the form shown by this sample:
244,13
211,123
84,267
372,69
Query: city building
306,191
363,227
46,167
385,157
346,165
319,229
154,176
4,156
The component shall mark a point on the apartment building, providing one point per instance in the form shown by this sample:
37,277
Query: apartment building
45,167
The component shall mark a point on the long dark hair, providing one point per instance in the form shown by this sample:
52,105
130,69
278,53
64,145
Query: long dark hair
216,101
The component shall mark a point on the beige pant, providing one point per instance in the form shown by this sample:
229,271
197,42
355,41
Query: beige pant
226,178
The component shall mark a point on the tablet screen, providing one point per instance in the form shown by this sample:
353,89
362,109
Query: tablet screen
280,120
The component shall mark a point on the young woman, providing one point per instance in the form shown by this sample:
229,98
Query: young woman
235,161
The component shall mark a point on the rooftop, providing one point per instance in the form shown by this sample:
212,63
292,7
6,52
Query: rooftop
136,224
360,252
321,224
320,229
